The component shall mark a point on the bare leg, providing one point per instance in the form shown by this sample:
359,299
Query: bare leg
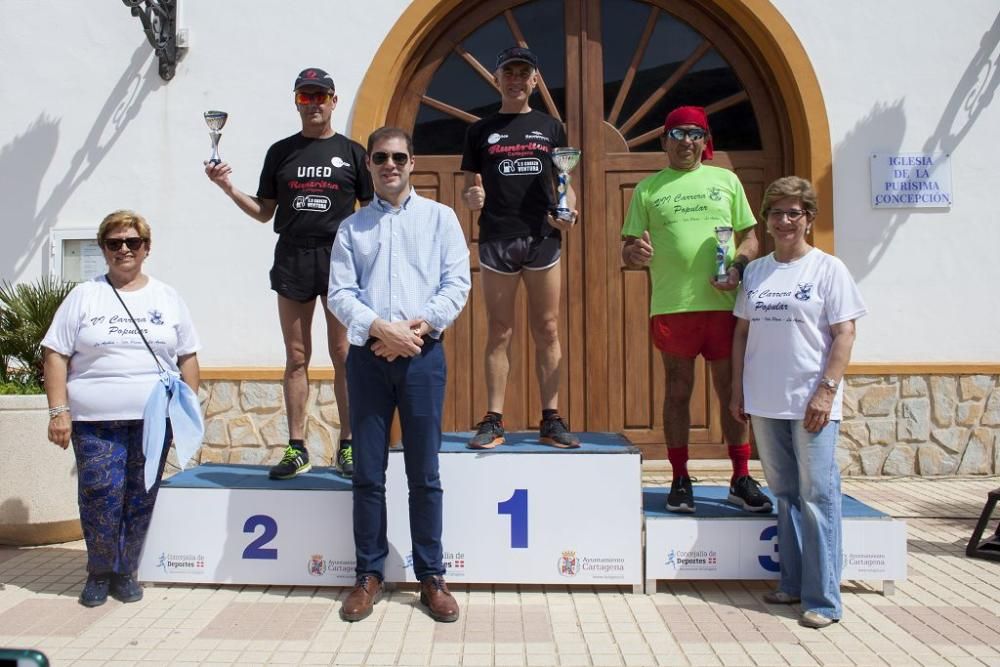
733,431
677,403
296,329
543,312
336,336
499,296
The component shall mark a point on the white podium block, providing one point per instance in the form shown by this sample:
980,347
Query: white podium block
521,513
720,541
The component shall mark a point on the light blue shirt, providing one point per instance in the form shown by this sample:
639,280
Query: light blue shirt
399,264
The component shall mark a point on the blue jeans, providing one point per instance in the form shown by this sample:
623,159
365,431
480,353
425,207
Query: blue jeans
375,388
115,508
802,473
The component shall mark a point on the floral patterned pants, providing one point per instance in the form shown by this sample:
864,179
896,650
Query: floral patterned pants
115,507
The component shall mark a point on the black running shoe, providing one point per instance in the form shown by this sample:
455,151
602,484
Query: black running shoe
293,462
345,459
553,431
489,434
746,493
681,496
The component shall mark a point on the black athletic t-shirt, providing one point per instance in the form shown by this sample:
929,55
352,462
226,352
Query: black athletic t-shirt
316,182
512,152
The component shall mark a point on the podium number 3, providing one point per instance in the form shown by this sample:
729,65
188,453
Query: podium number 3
517,507
255,549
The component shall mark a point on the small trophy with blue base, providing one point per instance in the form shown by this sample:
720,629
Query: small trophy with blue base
565,160
722,236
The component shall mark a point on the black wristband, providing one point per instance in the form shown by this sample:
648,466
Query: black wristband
739,266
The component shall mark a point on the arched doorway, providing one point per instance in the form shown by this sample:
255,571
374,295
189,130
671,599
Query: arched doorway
611,69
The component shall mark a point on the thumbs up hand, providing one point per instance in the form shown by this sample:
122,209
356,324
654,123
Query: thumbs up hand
475,195
638,251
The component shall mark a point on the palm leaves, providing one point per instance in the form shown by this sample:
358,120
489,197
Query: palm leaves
26,311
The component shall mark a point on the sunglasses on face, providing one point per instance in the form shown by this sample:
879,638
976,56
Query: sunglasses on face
680,134
312,98
400,159
133,243
793,214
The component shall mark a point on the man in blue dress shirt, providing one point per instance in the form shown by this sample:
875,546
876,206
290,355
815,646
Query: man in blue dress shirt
399,276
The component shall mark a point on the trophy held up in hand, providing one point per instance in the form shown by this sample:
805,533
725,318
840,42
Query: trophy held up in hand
215,120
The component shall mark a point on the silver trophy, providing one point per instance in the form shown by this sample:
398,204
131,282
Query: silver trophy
722,236
215,120
565,160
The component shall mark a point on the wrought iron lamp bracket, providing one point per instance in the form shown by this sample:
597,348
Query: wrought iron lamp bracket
159,22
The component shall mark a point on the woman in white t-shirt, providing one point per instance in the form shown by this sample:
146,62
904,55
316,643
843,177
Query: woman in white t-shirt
794,333
99,374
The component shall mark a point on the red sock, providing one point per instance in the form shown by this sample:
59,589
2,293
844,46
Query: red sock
678,457
740,456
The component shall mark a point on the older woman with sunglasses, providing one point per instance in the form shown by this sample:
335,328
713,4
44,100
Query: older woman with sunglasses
109,345
794,333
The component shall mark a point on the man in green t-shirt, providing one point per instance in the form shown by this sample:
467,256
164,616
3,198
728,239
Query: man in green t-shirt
670,228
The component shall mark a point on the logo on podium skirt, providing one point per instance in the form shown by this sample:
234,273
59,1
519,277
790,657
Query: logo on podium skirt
569,564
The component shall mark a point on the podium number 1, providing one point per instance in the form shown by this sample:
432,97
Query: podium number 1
517,507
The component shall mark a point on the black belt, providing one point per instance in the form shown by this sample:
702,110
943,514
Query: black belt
306,241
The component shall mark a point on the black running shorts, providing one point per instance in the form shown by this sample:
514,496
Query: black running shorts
301,270
529,253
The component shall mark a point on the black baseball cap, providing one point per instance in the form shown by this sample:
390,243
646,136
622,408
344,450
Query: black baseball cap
314,76
516,54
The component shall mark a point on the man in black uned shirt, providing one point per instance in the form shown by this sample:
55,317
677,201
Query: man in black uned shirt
309,183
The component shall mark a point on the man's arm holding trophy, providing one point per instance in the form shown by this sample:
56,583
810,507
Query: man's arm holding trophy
728,278
565,215
218,172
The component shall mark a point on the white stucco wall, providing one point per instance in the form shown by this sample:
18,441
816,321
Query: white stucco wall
88,127
913,77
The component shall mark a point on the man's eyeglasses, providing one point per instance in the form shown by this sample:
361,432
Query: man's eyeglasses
312,98
793,214
680,134
133,243
400,159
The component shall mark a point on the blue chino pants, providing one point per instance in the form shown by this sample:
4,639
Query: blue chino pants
802,473
115,508
416,387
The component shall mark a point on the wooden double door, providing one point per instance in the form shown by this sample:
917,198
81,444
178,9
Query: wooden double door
611,70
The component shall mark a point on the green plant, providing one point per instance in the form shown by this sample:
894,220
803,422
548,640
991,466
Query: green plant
26,311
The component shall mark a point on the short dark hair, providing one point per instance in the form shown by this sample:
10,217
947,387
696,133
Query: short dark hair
390,133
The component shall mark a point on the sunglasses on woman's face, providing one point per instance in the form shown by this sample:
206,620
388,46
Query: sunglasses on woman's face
133,243
400,159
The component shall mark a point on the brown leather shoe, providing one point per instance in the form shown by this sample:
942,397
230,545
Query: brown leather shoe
358,605
439,602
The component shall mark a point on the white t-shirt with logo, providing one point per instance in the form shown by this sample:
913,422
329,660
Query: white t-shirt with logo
111,372
790,307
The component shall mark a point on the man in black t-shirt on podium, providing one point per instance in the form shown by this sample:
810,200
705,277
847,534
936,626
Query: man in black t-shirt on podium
309,183
510,176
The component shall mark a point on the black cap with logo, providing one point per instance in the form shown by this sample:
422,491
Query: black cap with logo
314,76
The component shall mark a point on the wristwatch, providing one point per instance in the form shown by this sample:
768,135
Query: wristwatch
829,383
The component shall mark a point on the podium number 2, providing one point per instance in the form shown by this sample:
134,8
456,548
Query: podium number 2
517,507
255,549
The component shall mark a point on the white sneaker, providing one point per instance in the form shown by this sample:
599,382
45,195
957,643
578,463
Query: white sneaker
814,619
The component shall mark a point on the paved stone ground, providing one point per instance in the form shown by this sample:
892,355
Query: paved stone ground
947,613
